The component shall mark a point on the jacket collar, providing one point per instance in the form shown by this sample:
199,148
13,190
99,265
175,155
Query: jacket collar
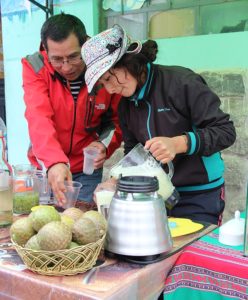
143,92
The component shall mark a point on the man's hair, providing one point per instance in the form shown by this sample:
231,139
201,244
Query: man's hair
59,27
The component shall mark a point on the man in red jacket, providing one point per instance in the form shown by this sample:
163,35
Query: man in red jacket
62,117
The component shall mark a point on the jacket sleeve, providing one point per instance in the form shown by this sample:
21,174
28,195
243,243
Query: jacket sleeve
212,129
110,134
39,114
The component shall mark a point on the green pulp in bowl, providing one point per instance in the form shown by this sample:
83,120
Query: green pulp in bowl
23,202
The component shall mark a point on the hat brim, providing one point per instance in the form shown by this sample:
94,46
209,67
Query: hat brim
95,71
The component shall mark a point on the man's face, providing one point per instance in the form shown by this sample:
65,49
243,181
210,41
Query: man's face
65,57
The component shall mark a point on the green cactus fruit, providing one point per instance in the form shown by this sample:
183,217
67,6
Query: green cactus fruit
44,215
73,245
84,231
98,219
54,236
33,243
21,231
67,220
73,212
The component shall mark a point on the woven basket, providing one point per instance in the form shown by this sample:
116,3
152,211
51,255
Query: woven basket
61,262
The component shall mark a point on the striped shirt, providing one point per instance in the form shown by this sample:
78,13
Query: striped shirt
75,88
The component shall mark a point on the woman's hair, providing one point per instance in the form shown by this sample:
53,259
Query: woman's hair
135,64
150,50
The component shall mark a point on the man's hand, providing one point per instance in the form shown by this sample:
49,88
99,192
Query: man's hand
100,159
57,174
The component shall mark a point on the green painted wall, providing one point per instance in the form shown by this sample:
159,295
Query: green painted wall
86,10
21,37
216,51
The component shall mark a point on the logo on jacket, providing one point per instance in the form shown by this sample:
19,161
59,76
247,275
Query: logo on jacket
100,106
163,109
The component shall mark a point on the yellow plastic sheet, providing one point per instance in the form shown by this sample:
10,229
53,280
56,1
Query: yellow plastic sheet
180,226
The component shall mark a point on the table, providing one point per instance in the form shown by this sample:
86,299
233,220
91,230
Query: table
207,270
115,280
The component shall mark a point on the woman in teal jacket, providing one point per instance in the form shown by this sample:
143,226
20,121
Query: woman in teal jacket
172,112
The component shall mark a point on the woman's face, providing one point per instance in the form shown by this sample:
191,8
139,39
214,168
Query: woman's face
119,81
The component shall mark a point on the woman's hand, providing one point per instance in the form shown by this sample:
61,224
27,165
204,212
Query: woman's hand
164,149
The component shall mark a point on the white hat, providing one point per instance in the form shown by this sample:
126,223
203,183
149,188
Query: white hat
102,51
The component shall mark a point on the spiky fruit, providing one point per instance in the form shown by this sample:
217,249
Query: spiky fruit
37,207
33,243
73,212
98,219
21,231
84,231
67,221
43,215
54,236
73,245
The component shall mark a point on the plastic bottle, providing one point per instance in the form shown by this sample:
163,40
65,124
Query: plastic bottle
2,127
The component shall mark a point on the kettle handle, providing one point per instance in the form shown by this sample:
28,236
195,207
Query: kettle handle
171,169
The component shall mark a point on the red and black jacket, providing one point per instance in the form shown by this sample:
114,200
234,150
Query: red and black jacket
60,127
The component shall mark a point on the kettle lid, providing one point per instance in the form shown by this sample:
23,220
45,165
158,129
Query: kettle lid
138,184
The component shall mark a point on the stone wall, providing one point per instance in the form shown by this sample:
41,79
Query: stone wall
232,88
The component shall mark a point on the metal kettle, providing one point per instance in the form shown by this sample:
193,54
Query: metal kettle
137,219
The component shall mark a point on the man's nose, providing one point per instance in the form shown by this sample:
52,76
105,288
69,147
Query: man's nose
66,65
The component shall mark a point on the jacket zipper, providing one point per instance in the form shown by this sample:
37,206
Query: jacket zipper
148,119
170,164
73,126
74,117
89,111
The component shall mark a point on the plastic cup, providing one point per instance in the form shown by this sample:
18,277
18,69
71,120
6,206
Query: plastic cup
104,211
43,187
104,197
90,154
71,194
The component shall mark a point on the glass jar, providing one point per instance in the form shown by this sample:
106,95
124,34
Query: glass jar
6,184
6,199
26,188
